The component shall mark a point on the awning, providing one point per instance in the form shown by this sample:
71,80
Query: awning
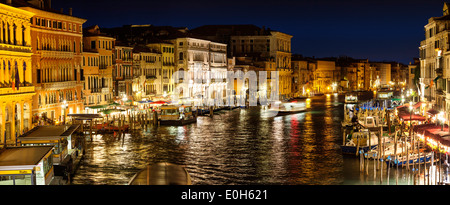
148,101
407,117
109,111
432,112
159,102
97,106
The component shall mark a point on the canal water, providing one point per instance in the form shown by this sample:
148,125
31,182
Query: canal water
238,147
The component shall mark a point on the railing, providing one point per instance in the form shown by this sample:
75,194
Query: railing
56,54
18,48
9,90
58,85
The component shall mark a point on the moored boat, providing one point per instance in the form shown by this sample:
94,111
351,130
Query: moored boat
412,158
176,115
359,141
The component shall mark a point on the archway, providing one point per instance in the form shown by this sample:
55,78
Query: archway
17,119
26,117
7,122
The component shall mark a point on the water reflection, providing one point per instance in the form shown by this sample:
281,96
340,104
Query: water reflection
233,147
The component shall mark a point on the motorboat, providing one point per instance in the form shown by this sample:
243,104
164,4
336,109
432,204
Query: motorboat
287,108
176,115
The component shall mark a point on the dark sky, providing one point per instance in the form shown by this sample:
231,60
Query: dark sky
375,29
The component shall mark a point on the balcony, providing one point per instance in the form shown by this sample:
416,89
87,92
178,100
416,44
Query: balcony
21,90
58,85
56,54
17,48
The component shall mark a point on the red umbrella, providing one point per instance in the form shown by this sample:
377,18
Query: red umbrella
159,102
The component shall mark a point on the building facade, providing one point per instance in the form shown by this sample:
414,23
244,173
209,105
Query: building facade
205,64
97,67
147,69
16,88
56,64
123,71
164,83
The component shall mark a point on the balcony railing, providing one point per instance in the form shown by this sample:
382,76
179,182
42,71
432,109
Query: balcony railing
58,85
56,54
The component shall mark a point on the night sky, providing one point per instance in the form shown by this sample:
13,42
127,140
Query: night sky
379,30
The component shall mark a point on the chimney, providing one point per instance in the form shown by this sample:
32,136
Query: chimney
70,11
9,2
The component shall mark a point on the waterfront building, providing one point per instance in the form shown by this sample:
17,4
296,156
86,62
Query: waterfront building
324,76
206,62
16,88
434,62
259,44
303,77
97,67
123,71
56,62
163,85
147,69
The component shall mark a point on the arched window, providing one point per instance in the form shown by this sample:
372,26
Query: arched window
181,56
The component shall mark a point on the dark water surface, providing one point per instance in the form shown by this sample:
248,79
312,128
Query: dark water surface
237,147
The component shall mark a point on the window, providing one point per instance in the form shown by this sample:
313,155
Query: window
92,44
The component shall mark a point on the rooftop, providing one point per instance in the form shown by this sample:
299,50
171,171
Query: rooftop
49,132
21,156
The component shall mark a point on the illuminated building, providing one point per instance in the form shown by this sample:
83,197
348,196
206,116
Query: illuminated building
163,84
16,90
147,69
97,67
56,62
206,61
434,61
123,70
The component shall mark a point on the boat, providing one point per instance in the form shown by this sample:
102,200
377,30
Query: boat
287,108
351,98
359,141
413,158
162,173
176,115
388,151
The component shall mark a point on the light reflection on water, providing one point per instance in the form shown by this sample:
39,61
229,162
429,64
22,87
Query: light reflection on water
234,147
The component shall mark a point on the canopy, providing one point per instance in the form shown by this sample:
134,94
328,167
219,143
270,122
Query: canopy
434,132
148,101
406,105
109,111
159,102
407,117
97,106
432,112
